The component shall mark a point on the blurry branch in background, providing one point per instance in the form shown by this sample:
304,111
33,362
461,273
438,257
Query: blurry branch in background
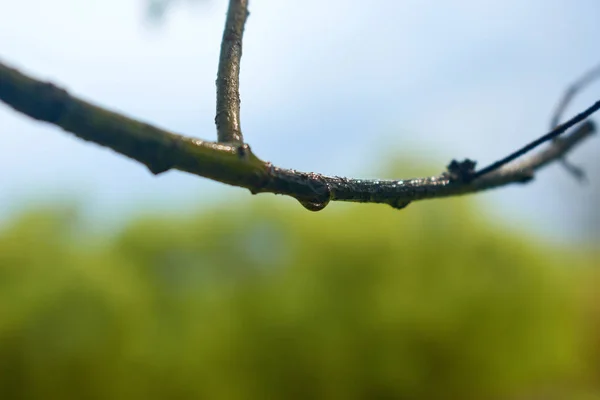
568,96
231,161
570,93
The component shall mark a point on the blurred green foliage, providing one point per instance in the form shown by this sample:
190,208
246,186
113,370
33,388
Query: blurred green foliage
263,300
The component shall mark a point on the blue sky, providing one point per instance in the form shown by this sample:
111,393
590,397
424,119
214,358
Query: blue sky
333,86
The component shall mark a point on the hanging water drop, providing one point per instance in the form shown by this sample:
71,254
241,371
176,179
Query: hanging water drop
314,205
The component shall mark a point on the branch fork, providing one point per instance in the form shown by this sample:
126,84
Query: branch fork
231,161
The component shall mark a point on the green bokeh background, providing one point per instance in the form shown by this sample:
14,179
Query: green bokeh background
260,299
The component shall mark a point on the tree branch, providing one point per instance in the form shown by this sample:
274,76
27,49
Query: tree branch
231,161
235,164
228,76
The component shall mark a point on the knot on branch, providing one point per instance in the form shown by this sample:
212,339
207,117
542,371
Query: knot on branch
243,151
463,171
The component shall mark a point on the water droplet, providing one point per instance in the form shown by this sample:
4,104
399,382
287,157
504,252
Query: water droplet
399,204
314,205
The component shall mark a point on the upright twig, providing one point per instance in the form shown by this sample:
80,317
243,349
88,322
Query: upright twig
228,76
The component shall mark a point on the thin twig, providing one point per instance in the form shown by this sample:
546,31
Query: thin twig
228,76
554,133
570,93
235,164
